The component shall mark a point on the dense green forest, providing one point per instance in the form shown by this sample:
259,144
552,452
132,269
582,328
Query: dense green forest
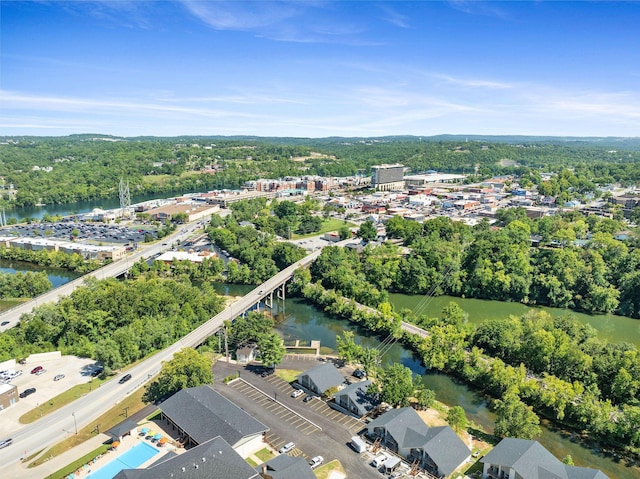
553,364
84,167
116,322
51,259
449,257
23,285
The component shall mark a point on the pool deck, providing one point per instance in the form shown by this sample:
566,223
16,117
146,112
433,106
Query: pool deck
20,471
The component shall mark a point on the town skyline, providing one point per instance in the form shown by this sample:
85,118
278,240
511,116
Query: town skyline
318,69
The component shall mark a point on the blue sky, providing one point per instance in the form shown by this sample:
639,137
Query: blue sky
319,68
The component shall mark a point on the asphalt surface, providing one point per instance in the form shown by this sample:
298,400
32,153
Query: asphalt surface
315,428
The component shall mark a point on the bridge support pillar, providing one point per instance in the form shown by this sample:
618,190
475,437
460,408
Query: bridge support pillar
280,292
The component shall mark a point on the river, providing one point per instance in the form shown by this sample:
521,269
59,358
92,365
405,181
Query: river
300,320
79,206
57,276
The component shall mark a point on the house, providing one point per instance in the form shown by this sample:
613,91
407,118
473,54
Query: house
200,413
438,450
520,458
246,352
285,466
354,398
213,459
321,378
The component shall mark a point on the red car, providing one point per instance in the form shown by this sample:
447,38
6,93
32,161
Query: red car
36,369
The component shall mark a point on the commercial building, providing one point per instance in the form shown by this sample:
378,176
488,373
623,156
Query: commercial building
8,395
387,177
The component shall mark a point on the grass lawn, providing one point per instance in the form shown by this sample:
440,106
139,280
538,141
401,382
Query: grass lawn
251,462
265,454
105,422
60,400
323,471
74,466
331,224
288,375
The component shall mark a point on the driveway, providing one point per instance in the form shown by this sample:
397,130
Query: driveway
329,439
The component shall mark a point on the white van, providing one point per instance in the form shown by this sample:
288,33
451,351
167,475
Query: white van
358,444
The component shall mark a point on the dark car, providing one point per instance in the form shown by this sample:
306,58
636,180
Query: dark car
125,378
267,372
97,372
4,323
307,398
36,369
27,392
359,373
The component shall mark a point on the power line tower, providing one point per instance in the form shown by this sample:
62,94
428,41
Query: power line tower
125,197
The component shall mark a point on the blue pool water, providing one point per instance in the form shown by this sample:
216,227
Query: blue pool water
129,460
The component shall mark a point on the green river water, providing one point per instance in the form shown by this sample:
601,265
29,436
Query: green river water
300,320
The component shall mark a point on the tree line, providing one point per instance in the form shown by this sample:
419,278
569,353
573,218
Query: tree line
601,398
83,167
23,284
114,322
597,274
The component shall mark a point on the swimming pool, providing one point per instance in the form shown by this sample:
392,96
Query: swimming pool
131,459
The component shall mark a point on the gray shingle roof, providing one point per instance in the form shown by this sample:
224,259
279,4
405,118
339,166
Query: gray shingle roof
124,427
287,467
532,461
215,459
324,376
442,444
203,413
445,447
399,423
357,392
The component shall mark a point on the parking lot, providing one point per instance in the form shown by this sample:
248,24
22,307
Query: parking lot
76,371
330,435
82,231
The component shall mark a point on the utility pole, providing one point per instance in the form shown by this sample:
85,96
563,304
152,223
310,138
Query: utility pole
226,345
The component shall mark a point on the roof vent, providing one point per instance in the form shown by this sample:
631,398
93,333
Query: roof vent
184,469
196,466
204,460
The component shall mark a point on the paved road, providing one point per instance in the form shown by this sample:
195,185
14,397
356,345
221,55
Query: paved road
111,270
59,424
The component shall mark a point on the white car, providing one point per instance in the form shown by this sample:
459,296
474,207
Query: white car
287,447
58,377
316,461
297,393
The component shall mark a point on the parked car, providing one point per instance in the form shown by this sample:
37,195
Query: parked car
307,398
97,372
359,373
5,443
41,371
297,393
316,461
58,377
36,369
4,323
27,392
287,447
125,378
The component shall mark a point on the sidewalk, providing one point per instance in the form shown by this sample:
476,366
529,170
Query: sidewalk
20,470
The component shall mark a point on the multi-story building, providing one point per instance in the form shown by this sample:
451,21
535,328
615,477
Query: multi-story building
387,177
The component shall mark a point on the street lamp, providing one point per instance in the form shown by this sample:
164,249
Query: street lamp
75,425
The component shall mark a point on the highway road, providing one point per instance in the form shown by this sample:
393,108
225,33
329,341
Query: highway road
12,316
63,422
